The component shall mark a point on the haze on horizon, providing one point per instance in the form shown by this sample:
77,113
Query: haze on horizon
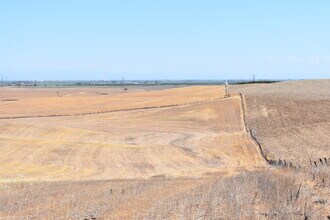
85,40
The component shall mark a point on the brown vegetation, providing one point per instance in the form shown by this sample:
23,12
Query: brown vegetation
290,119
281,194
194,159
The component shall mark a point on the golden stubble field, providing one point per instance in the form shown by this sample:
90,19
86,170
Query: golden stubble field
17,102
155,153
186,140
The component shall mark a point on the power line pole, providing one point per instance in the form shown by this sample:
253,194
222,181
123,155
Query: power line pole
254,77
122,83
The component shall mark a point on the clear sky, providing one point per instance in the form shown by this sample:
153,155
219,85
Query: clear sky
164,39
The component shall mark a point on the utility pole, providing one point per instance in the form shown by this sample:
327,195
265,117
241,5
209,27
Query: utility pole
254,77
1,80
226,89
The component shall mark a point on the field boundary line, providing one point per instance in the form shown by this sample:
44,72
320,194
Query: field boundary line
115,110
249,132
255,141
243,111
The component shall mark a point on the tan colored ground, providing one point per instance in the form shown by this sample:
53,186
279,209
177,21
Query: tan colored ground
183,161
181,141
20,103
291,119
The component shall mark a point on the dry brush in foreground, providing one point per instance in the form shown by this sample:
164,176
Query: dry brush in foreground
274,194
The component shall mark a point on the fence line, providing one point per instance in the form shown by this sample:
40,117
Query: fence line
115,110
320,162
277,163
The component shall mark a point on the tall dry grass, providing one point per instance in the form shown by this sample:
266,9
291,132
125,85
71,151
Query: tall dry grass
279,193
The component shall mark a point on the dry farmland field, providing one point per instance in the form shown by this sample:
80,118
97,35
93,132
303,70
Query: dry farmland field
165,152
290,119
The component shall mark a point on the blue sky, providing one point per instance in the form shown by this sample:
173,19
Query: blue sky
164,39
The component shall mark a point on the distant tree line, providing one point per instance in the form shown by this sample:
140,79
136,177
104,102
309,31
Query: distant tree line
258,81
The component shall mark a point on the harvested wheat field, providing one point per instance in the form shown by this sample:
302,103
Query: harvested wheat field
291,119
174,153
17,103
188,140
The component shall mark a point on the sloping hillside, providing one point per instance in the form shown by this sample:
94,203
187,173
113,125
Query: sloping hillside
181,141
22,103
291,119
184,161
